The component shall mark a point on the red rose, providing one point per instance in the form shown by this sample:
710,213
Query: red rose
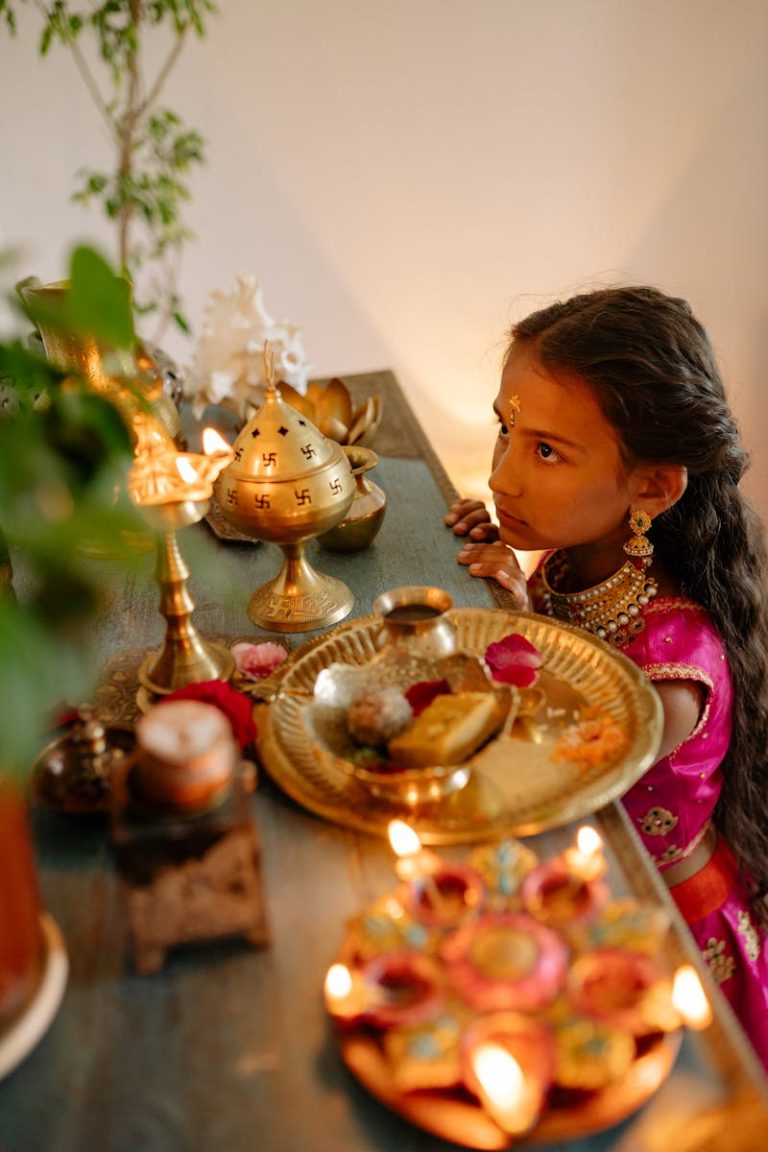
237,707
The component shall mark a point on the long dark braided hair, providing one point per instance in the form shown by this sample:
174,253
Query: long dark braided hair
654,373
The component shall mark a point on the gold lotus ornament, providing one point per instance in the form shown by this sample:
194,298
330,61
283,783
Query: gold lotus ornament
329,405
288,483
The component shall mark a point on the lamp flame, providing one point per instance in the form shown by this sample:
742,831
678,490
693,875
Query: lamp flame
338,982
588,840
513,1101
403,839
690,999
214,444
187,471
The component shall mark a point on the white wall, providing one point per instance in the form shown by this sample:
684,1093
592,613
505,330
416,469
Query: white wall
407,176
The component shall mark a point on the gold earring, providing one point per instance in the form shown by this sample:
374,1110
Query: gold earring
639,546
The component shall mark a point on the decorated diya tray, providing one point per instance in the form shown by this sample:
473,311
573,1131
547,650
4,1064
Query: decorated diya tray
505,956
519,783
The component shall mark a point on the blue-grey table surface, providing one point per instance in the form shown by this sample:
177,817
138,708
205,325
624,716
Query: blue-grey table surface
229,1048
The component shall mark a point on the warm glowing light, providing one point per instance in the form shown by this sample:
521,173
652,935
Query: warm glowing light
585,860
347,995
338,982
187,471
588,840
214,444
404,841
512,1101
690,999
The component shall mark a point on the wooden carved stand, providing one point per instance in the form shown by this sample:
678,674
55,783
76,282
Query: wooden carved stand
187,878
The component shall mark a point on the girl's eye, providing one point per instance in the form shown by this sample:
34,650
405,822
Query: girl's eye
547,453
503,430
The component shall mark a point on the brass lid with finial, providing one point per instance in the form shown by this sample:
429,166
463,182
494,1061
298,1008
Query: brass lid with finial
287,481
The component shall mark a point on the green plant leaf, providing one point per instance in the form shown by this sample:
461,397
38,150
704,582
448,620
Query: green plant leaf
99,302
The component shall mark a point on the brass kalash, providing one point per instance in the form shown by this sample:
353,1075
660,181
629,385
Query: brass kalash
287,484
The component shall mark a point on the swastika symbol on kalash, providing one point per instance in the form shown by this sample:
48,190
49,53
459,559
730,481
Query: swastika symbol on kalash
336,485
269,458
239,454
261,501
232,497
302,497
308,451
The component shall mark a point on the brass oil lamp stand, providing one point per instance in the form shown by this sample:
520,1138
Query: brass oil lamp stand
173,490
185,658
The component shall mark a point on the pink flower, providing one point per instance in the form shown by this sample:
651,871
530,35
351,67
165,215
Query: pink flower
255,661
513,660
421,695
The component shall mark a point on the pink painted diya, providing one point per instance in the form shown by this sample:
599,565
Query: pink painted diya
616,986
558,896
404,987
505,960
529,1040
444,895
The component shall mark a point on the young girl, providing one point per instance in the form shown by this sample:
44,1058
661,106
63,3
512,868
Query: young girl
617,456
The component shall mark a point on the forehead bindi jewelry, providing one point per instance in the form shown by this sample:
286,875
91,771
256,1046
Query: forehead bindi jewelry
514,408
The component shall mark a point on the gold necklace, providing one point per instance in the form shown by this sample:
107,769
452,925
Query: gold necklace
611,610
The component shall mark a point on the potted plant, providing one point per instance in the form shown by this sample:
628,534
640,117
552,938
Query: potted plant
63,448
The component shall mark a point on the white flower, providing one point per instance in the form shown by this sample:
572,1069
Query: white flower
228,366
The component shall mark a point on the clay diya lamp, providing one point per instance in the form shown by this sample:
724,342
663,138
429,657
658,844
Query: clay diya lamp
625,989
568,889
404,990
508,1061
445,896
505,960
436,893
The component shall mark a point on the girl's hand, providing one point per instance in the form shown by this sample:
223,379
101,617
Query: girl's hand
498,562
471,518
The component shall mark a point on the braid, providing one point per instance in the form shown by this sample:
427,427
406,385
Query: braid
654,372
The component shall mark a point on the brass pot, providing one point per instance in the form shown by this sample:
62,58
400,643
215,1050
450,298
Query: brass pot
366,514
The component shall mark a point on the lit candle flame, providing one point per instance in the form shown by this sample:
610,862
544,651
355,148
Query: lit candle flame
338,982
690,999
403,839
511,1100
214,444
585,859
588,840
347,996
187,471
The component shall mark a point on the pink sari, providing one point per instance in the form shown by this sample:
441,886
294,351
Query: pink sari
672,805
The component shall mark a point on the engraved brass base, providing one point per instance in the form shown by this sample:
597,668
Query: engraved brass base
299,599
185,660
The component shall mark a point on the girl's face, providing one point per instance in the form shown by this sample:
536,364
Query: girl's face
558,478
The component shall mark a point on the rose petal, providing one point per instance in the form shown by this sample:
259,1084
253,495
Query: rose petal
421,694
513,660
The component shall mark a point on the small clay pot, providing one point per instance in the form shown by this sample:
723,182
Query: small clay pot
366,514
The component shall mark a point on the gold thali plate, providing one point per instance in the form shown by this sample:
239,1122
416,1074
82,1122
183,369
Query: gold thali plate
516,795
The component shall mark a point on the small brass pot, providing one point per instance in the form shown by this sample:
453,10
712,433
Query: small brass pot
366,514
416,617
